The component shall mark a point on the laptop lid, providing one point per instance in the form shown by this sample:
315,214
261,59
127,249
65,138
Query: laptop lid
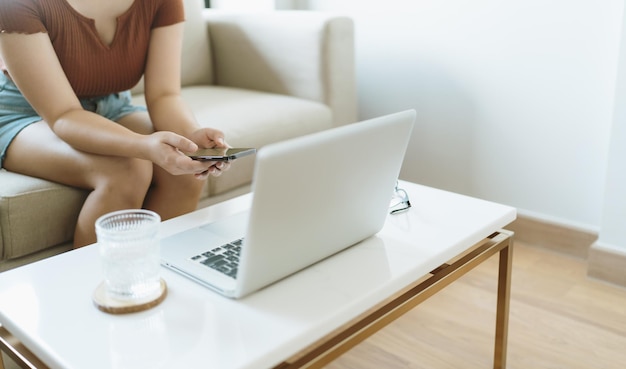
318,194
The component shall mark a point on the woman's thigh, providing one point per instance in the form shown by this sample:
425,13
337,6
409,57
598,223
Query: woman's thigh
39,152
138,122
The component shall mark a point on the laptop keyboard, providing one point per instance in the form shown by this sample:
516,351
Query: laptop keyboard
224,259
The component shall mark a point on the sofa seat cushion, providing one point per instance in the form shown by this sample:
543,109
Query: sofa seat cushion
35,214
251,119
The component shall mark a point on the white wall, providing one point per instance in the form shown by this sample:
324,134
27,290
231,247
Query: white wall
613,227
514,98
243,4
255,4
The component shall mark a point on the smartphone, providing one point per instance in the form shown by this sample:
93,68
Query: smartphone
220,154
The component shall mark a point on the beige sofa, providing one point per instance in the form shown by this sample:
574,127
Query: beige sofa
259,77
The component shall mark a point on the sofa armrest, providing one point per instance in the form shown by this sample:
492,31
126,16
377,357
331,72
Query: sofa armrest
306,54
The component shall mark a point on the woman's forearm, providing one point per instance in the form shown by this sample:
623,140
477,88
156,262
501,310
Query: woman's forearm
171,113
90,132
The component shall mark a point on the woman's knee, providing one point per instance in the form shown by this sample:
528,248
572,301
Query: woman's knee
125,177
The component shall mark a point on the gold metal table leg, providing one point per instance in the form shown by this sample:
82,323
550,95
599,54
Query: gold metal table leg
505,267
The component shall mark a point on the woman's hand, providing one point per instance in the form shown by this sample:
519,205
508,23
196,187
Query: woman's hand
208,138
166,149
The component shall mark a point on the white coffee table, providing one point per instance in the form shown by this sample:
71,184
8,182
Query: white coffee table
47,314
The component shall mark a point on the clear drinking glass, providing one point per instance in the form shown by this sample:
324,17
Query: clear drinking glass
130,253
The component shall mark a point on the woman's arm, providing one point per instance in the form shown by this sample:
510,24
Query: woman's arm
162,81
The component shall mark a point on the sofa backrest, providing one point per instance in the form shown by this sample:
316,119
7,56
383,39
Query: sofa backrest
196,68
196,59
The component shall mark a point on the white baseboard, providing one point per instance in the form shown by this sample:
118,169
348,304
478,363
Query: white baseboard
604,263
568,239
607,264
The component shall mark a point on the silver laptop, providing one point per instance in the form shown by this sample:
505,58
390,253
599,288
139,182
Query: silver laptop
313,196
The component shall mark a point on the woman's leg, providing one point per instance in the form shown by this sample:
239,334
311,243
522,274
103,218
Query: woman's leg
171,196
115,182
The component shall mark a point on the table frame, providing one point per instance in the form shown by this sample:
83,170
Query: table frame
354,332
343,339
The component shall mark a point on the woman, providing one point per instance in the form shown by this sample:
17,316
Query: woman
65,111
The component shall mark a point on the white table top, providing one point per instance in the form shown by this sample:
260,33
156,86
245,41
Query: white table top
47,305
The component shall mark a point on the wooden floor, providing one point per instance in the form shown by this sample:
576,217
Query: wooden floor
559,318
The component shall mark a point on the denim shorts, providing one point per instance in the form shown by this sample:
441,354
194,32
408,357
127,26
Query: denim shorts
16,113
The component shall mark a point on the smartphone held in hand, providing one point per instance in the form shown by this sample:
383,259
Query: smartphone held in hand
221,154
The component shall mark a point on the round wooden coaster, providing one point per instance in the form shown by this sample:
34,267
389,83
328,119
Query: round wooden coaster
112,305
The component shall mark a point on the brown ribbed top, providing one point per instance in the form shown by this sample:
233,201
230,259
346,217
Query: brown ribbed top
93,67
